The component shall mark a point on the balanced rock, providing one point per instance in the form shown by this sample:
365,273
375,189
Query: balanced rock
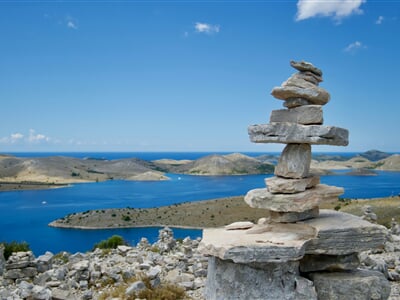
306,115
299,202
292,217
291,133
279,185
294,161
313,263
304,66
315,95
295,102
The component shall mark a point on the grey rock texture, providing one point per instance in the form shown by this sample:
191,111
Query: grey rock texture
291,133
295,102
306,115
294,161
290,186
304,66
227,280
315,95
341,233
292,217
352,285
313,263
299,202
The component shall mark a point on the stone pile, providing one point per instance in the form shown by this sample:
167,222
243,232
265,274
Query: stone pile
88,275
296,251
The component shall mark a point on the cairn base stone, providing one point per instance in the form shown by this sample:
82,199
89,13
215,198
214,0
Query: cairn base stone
227,280
279,185
353,285
294,161
313,263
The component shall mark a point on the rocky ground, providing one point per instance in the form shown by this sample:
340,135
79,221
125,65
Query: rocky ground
126,272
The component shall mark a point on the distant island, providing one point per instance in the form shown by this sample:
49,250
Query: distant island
17,173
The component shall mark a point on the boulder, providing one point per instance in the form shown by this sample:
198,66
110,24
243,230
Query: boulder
296,102
279,185
299,202
306,115
287,133
291,217
352,285
294,161
227,280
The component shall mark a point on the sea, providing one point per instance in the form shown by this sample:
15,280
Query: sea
25,215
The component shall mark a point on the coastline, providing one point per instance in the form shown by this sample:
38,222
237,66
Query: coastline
202,214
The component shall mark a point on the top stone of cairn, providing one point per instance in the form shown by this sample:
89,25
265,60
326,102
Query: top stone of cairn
304,66
302,87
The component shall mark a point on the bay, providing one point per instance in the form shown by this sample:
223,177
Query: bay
24,215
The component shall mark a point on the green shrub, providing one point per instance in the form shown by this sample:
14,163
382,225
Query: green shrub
111,243
14,246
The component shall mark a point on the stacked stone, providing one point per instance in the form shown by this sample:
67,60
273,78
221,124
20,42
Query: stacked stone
294,194
301,252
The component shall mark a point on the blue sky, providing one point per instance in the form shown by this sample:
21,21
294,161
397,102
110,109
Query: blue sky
190,75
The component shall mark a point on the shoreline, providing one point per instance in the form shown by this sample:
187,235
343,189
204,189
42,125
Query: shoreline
30,186
208,213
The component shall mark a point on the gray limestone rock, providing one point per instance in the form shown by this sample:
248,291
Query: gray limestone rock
135,287
304,66
294,161
291,217
315,95
313,263
352,285
299,202
279,185
310,77
306,115
298,81
227,280
341,233
296,102
275,242
287,133
2,260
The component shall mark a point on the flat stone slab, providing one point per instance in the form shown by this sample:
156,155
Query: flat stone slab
353,285
305,66
306,114
315,95
332,233
299,202
279,185
268,243
341,233
287,133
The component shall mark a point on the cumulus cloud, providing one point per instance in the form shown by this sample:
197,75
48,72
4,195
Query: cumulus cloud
15,137
71,22
354,47
379,20
206,28
337,9
37,137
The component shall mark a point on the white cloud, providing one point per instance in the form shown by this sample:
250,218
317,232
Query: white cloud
379,20
206,28
71,24
354,47
37,137
337,9
15,137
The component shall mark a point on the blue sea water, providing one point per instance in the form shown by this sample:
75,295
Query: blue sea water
24,215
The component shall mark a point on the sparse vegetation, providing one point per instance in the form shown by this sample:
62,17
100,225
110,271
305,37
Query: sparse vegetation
111,243
10,247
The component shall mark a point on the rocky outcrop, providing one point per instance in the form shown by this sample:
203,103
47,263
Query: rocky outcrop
67,276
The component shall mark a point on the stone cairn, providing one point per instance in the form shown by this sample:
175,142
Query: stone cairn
297,251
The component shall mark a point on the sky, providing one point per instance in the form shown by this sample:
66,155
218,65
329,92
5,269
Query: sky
190,75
